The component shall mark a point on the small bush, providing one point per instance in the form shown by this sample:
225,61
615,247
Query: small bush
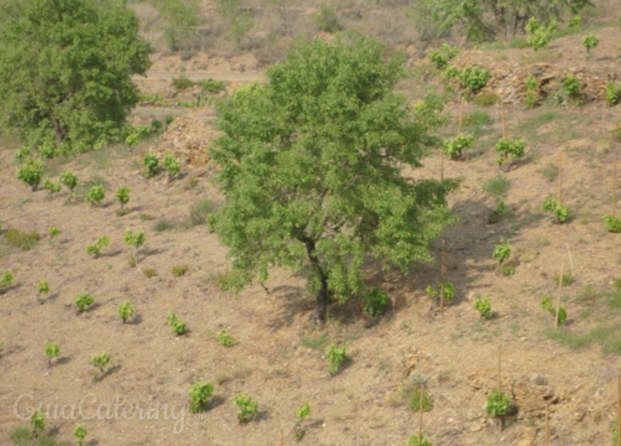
69,180
571,85
95,249
149,272
51,351
474,78
497,404
547,305
30,173
566,279
336,356
539,36
415,400
486,99
122,195
151,164
478,119
449,291
497,186
126,311
51,187
375,303
182,83
179,270
246,407
177,326
96,194
561,214
200,393
502,252
484,307
613,224
442,56
7,279
497,213
612,94
171,165
225,339
101,361
80,433
509,150
212,86
83,301
590,42
22,239
327,20
455,147
532,91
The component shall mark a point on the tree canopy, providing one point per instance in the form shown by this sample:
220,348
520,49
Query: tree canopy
66,67
312,171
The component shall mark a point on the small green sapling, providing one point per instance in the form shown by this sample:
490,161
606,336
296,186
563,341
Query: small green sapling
135,240
171,165
561,214
80,433
30,173
51,351
246,407
122,196
484,307
96,194
100,361
126,311
82,301
6,279
69,180
37,420
199,396
151,164
225,339
177,326
336,356
375,303
613,224
547,305
95,249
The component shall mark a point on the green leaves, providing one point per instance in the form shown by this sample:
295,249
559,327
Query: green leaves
65,70
336,355
497,404
30,173
246,407
311,169
200,394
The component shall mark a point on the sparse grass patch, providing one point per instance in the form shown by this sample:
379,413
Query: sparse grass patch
317,342
149,272
199,213
550,172
146,217
163,225
222,280
22,239
179,270
497,186
24,436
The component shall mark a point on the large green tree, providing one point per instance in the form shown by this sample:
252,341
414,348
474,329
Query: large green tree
66,67
312,170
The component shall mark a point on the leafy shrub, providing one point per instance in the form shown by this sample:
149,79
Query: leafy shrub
303,412
126,311
509,150
336,355
101,361
613,224
547,305
478,119
497,404
415,400
157,125
199,213
135,240
122,195
415,440
590,42
22,239
571,85
7,279
497,186
485,99
51,187
82,301
199,396
53,231
37,420
96,194
51,351
30,173
149,272
449,291
539,36
225,339
22,155
171,165
375,302
80,433
474,78
177,326
532,91
69,180
182,83
43,287
455,147
179,270
561,214
95,249
151,164
441,56
612,94
502,252
484,307
500,209
246,407
327,20
565,279
212,86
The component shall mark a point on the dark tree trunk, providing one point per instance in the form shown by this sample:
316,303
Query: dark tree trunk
321,308
59,130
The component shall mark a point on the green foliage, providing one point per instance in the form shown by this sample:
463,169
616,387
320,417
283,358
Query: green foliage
502,252
37,421
240,21
561,214
449,291
613,224
327,20
442,56
179,22
95,249
149,272
498,211
615,433
43,287
616,133
51,351
478,118
177,326
415,440
199,213
497,404
122,195
485,99
135,240
66,70
182,83
566,279
547,305
7,279
212,86
96,194
336,355
455,147
101,361
575,23
225,339
571,85
53,231
532,91
126,311
484,307
179,270
22,239
171,165
199,396
22,155
82,301
30,173
69,180
474,78
509,150
539,36
51,187
590,42
612,94
246,407
375,303
497,186
151,164
415,400
302,193
303,412
80,433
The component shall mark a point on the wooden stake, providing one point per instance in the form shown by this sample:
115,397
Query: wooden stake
558,297
442,275
619,410
442,165
420,421
502,117
547,426
571,262
461,116
502,418
560,178
614,188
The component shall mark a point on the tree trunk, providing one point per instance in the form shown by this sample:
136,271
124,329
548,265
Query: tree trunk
59,130
321,308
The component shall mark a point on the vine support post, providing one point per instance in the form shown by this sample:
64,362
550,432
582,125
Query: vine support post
619,410
547,425
442,276
558,297
614,188
420,421
502,417
560,178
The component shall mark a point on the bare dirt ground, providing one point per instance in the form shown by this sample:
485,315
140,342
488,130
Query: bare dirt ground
279,358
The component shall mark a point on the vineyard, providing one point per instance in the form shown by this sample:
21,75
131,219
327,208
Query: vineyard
122,320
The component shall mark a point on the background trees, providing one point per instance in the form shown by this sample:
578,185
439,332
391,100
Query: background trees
66,67
311,167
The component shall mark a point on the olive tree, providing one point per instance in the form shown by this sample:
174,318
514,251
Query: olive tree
312,169
66,67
